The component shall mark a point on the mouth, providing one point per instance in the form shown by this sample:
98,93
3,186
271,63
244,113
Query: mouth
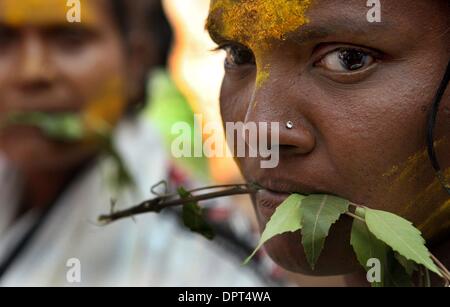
275,191
57,126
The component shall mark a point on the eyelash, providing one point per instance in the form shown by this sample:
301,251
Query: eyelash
237,47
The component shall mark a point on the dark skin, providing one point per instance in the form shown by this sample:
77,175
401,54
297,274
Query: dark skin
358,95
49,65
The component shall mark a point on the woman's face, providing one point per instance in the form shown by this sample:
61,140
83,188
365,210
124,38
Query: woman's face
358,95
50,65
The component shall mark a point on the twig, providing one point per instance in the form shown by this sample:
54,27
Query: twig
442,267
214,187
163,202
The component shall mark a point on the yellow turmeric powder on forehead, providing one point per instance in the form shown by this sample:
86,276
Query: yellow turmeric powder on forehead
252,22
39,12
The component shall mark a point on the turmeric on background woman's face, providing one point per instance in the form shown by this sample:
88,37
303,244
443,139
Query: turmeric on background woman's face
50,65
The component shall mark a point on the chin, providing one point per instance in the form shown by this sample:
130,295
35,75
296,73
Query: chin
38,154
337,257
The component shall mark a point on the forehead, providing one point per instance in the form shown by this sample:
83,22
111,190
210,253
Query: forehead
257,20
39,12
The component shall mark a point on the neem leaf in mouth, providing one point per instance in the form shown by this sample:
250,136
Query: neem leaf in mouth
287,218
71,127
320,212
367,246
62,127
401,236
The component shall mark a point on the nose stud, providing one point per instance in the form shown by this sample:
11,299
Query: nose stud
289,125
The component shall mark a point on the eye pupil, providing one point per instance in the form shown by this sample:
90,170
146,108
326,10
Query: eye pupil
352,59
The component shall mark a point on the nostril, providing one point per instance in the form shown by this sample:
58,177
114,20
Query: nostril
292,149
288,148
299,139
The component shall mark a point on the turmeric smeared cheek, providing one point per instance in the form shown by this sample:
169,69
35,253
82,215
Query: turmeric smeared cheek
106,108
257,23
439,219
38,12
430,205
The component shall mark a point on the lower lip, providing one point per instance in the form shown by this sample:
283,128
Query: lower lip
267,202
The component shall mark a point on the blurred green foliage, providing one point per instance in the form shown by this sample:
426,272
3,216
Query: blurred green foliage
167,106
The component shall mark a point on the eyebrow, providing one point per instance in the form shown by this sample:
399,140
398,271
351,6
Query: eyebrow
339,27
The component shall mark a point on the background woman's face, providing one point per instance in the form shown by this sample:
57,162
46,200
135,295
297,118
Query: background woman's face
358,94
50,65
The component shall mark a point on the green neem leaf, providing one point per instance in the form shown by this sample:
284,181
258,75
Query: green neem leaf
396,275
367,246
122,177
401,236
70,127
193,216
409,266
319,213
64,127
287,218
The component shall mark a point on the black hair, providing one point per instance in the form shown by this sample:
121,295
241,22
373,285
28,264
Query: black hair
160,31
156,24
120,15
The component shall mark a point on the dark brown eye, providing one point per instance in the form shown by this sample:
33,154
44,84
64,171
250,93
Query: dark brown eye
7,35
68,38
238,55
346,60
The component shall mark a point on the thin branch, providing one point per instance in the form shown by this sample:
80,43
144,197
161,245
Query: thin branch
442,267
163,202
214,187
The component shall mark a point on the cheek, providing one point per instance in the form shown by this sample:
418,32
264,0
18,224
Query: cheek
390,169
99,81
106,105
234,101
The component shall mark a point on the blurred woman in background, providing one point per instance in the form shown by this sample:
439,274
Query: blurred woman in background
51,189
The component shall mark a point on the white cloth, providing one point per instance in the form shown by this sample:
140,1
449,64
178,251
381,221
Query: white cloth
152,251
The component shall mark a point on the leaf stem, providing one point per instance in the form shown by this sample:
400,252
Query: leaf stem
355,217
356,205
